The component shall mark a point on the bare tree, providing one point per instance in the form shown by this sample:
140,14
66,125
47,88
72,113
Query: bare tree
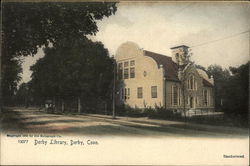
183,78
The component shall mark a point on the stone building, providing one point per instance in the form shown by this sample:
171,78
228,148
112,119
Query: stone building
147,79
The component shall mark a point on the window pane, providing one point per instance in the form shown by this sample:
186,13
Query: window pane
132,63
125,64
175,95
125,74
132,72
154,91
125,94
139,93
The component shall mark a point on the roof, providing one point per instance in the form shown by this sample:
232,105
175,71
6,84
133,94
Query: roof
171,68
205,78
179,46
206,83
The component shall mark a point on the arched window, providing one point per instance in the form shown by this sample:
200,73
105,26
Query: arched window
192,83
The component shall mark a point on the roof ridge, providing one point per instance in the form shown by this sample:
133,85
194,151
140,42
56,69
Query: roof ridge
157,53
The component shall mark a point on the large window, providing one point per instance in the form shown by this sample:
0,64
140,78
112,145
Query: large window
176,95
139,92
126,70
154,91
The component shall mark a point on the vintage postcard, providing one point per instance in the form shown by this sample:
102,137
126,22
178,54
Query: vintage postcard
124,83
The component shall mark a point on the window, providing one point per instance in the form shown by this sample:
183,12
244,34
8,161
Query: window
154,91
120,71
205,97
132,63
196,100
126,70
179,96
125,74
125,64
175,95
192,84
126,93
139,93
132,72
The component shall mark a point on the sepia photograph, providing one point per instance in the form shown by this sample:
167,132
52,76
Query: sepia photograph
124,83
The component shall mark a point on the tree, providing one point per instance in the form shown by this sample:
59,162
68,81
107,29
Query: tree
27,26
23,95
81,69
237,91
221,77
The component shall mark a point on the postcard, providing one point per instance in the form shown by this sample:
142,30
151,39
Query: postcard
124,83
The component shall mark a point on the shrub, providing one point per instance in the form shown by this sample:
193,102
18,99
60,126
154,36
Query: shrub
161,113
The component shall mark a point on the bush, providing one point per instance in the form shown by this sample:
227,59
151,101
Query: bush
161,113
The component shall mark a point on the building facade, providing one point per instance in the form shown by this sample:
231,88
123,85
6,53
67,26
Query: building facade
147,79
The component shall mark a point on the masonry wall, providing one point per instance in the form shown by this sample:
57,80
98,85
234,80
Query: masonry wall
196,94
147,74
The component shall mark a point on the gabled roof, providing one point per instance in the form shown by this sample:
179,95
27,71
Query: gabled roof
171,68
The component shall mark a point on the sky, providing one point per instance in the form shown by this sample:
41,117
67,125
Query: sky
217,32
